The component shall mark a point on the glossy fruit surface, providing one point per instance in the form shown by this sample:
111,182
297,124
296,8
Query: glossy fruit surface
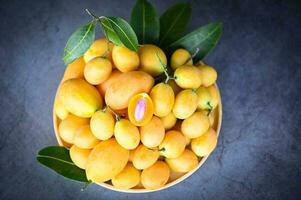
180,57
84,138
205,144
128,178
173,144
214,96
124,59
60,109
204,98
186,103
102,124
188,77
79,156
97,70
75,69
144,157
169,121
208,75
100,48
102,88
195,125
126,134
186,162
152,133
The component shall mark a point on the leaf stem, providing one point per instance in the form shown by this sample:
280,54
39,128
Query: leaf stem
85,186
168,77
117,116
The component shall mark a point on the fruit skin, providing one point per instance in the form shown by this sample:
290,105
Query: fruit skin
173,144
100,47
149,61
188,77
204,98
176,89
163,99
106,160
195,125
128,178
84,138
102,88
79,97
214,96
179,58
169,121
126,134
211,116
97,70
208,75
186,103
60,110
186,162
125,59
205,144
144,157
102,124
152,133
75,69
127,85
79,156
69,126
155,176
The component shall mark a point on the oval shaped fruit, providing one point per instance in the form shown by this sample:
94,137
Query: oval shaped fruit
79,97
144,157
169,121
125,59
176,89
205,144
75,69
97,70
128,178
149,59
152,133
214,96
186,162
84,138
100,48
126,134
60,109
69,126
102,124
141,109
204,98
186,103
188,77
208,75
195,125
102,88
211,116
79,156
127,85
106,160
163,99
173,144
180,57
155,176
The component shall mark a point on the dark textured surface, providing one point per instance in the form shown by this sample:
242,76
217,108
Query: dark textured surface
259,65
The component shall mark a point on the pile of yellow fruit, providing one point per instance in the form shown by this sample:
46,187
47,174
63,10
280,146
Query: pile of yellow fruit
123,127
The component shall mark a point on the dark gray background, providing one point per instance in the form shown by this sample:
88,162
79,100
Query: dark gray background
258,61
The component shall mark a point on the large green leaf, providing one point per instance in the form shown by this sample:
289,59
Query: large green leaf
119,32
79,42
58,159
145,22
205,38
173,23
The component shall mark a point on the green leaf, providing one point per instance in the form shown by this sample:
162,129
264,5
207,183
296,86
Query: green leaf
205,38
58,159
79,42
118,31
173,23
145,22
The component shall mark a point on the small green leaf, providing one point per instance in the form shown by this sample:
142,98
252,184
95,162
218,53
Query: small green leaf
173,23
79,42
119,32
58,159
205,38
145,22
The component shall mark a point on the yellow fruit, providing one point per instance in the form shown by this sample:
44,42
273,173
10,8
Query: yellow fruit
195,125
176,89
163,99
180,57
125,59
100,48
106,160
155,176
214,96
188,77
69,126
102,88
144,157
79,156
128,84
173,144
204,98
188,140
186,162
128,178
97,70
186,103
60,109
102,125
169,121
205,144
131,155
149,59
208,75
84,138
79,97
211,116
152,133
75,69
126,134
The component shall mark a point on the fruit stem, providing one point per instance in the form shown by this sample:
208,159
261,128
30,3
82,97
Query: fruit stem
210,108
117,117
85,186
168,77
192,56
162,149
